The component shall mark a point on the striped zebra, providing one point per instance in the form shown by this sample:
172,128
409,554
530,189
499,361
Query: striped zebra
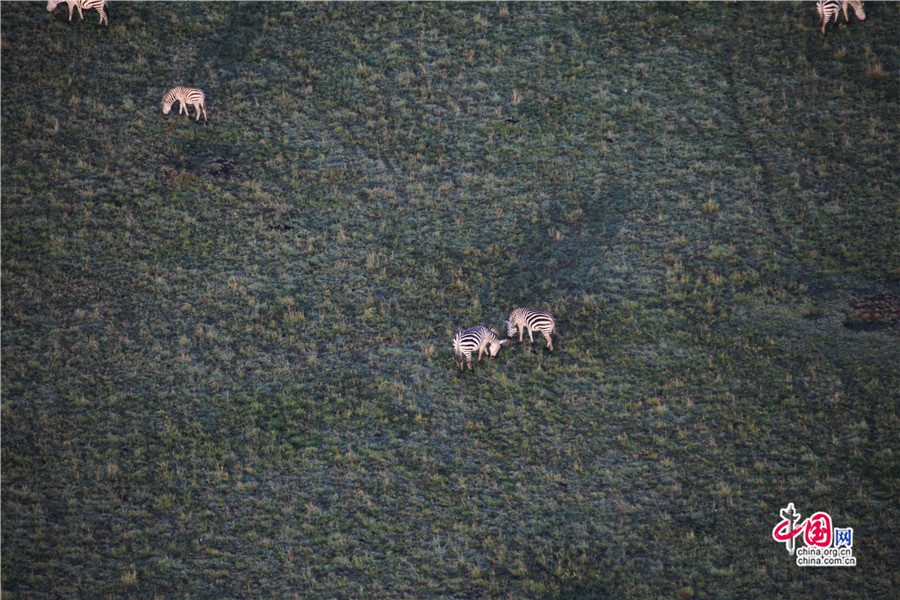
185,95
480,338
99,5
829,9
532,320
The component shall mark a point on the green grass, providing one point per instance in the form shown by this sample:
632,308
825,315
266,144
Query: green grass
227,365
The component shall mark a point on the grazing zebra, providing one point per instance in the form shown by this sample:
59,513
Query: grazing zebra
98,5
479,338
532,320
185,95
829,9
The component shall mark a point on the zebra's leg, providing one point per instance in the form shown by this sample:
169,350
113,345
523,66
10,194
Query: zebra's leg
103,16
549,339
844,8
197,106
205,119
530,336
460,359
80,14
182,108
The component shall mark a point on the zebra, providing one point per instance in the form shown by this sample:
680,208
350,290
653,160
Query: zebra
829,9
98,5
481,338
185,95
532,320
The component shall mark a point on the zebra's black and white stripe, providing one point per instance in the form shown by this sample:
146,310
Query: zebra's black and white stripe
829,9
185,95
98,5
532,320
478,338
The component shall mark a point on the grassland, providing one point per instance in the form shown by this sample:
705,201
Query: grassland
226,367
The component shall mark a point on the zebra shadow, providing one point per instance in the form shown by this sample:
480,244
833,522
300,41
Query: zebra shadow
539,347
